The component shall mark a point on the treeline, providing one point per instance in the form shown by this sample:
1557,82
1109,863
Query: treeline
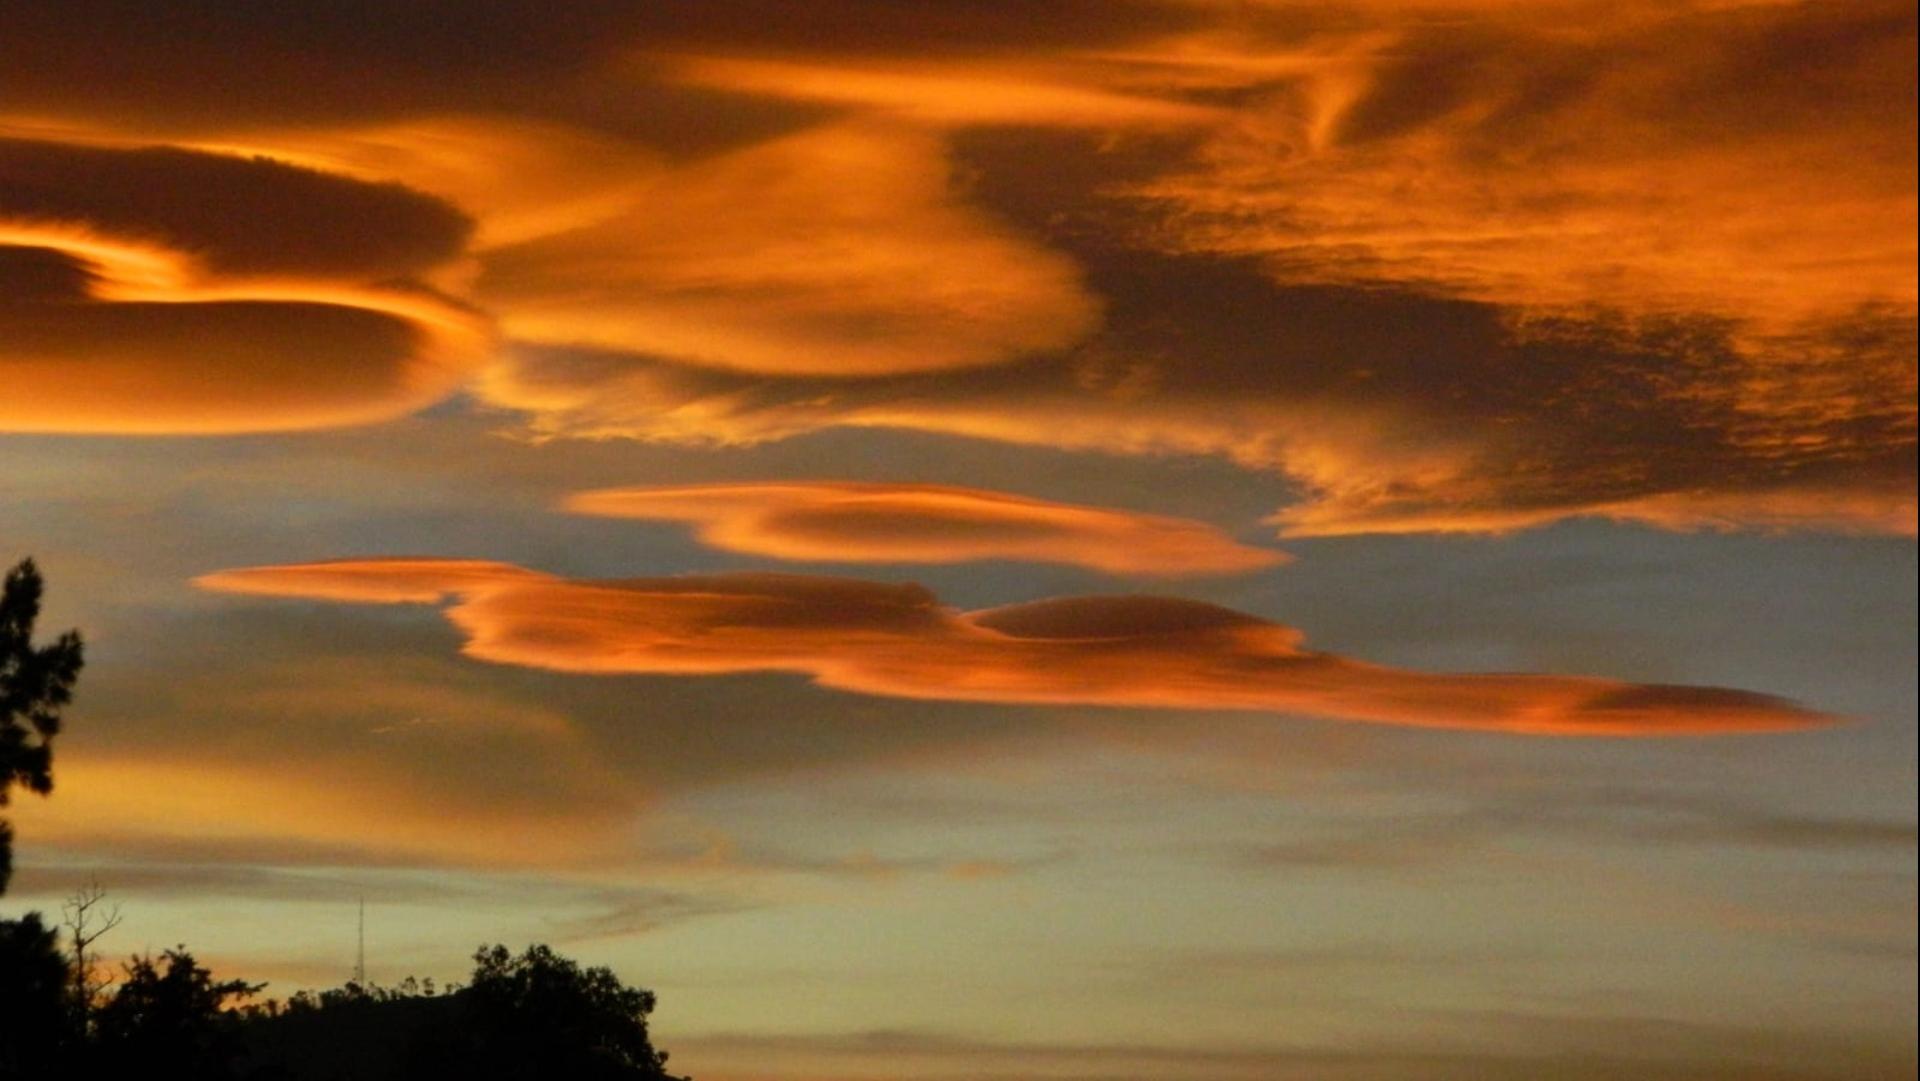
519,1017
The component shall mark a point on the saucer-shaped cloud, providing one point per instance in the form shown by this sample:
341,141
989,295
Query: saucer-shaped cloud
898,641
166,291
228,215
854,522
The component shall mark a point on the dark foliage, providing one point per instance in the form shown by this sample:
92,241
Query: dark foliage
38,1033
35,683
350,1033
525,1016
170,1014
539,1010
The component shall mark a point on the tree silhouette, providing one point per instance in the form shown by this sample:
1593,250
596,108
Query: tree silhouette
524,1017
35,682
169,1018
540,1014
37,1030
88,917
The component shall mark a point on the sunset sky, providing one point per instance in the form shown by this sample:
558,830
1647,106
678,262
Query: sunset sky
1097,540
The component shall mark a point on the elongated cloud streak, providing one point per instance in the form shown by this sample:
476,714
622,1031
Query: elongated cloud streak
945,94
852,522
898,641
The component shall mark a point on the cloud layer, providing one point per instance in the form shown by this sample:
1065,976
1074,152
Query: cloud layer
1449,267
898,641
856,522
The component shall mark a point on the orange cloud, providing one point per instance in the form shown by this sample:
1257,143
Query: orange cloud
945,93
837,251
85,57
519,178
164,291
853,522
841,249
1439,154
898,641
1680,318
375,581
1358,247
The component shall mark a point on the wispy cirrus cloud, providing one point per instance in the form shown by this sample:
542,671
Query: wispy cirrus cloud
898,641
1643,817
1437,153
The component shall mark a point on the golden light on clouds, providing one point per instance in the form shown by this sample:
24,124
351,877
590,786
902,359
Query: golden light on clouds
898,641
518,178
838,251
855,522
1455,267
1584,159
1401,377
944,95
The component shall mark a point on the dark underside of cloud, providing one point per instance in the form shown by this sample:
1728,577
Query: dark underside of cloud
159,290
